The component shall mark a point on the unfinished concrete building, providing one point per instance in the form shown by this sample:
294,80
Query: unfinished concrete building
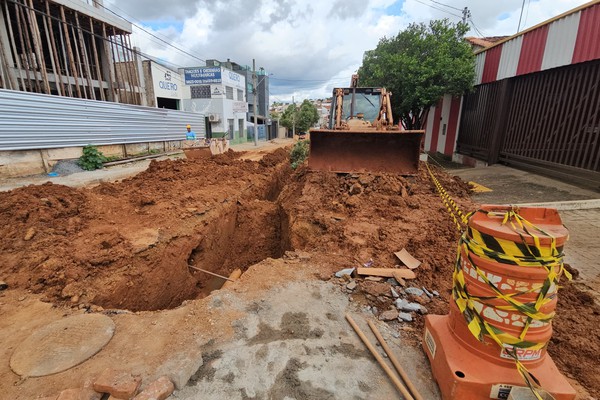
68,48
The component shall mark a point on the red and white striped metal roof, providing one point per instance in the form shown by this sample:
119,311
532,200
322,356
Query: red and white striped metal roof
569,38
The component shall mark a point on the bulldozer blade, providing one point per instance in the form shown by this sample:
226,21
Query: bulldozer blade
365,151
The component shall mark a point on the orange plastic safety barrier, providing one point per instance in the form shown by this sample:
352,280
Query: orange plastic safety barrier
509,262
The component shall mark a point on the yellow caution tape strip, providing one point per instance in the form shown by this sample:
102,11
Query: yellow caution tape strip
459,218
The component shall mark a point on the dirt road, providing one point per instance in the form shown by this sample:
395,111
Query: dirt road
124,250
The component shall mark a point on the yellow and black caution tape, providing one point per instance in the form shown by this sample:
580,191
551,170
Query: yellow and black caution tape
504,251
459,218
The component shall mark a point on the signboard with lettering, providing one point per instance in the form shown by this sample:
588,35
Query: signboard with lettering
240,107
233,79
166,83
202,75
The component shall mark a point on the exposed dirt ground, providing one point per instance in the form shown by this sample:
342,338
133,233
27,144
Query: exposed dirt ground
129,245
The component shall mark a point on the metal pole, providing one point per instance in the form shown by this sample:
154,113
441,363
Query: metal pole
255,92
294,118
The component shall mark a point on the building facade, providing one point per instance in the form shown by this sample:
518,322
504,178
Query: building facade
68,48
220,94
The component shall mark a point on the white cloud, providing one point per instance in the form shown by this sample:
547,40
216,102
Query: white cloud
309,46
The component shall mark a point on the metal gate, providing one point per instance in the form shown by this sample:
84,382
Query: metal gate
548,121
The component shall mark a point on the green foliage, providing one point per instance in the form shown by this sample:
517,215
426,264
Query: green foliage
419,66
302,118
299,153
91,159
289,116
307,116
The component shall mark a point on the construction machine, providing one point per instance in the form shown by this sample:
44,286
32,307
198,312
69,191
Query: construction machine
360,135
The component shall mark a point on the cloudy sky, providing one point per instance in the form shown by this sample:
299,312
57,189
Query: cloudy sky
308,46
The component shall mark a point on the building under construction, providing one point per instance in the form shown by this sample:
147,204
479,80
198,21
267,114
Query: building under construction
68,48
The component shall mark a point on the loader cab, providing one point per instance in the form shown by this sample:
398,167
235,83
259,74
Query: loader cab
357,101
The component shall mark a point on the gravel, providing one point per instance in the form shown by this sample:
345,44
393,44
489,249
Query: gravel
67,167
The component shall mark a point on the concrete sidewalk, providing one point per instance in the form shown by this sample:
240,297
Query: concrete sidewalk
579,209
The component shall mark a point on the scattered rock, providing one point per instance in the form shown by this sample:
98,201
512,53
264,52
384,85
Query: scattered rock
374,278
374,310
355,189
403,316
75,299
351,286
404,305
388,315
29,234
79,394
396,335
414,291
119,384
427,292
345,271
394,293
435,293
160,389
3,285
21,298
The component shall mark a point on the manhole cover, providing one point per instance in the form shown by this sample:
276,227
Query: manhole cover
62,345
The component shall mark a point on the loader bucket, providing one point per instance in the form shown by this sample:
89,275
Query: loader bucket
365,151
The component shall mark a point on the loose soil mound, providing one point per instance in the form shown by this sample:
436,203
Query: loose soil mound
129,244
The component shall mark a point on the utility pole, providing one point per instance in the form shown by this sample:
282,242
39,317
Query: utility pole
466,15
294,118
255,91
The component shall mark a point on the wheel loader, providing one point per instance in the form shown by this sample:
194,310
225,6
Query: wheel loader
361,136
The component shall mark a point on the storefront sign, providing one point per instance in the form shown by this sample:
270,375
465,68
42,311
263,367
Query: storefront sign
202,75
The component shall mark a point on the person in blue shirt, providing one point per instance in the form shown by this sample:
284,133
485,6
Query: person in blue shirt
190,135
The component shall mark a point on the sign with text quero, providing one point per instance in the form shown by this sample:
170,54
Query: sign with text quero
202,75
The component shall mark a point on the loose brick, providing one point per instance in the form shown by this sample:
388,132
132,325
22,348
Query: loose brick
119,384
160,389
79,394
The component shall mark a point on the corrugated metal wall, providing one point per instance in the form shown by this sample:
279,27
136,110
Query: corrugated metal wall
37,121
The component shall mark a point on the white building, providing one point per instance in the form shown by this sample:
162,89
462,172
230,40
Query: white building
220,94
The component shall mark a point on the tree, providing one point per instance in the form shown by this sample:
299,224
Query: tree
289,116
300,118
419,66
307,116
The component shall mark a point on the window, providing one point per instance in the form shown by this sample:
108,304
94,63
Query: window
229,92
230,129
201,92
240,95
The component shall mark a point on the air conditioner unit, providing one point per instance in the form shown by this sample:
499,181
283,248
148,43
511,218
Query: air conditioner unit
214,117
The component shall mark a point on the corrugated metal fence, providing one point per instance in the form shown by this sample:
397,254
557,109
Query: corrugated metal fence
548,121
37,121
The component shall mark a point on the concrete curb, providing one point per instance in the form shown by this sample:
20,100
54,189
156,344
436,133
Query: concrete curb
566,205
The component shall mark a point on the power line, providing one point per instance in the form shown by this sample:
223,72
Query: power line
520,16
475,27
439,9
151,34
449,6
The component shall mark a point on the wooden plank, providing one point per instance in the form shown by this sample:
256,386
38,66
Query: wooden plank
37,44
96,61
57,78
24,38
134,73
84,59
110,65
53,49
79,64
70,51
387,272
14,47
